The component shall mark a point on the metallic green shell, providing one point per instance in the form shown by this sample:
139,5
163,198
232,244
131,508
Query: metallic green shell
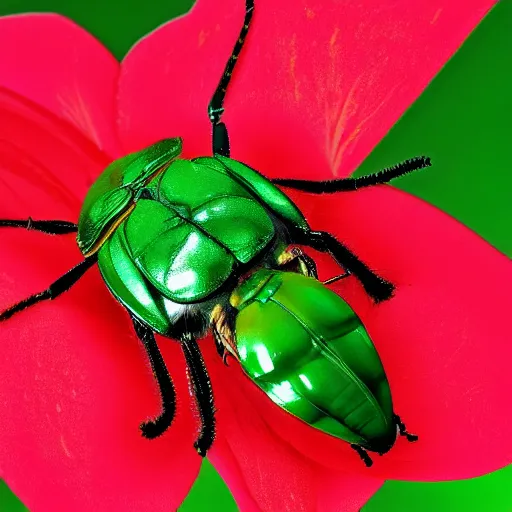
185,229
309,352
259,186
114,190
198,226
131,288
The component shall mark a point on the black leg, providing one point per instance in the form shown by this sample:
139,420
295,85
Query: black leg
61,285
403,430
378,288
351,184
220,140
51,227
202,389
156,427
363,454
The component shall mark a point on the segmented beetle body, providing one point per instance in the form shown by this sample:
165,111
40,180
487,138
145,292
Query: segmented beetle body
320,363
163,244
188,246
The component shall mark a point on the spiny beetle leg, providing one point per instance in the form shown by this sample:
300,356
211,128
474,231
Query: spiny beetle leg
220,140
50,227
203,393
363,454
403,430
154,428
377,288
351,184
58,287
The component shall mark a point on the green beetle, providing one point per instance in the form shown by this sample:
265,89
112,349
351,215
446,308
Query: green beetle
188,246
326,371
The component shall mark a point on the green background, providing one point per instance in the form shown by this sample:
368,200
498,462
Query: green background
463,121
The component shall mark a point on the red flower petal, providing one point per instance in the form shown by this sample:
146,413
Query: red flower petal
263,472
317,86
75,381
443,339
57,64
75,387
36,180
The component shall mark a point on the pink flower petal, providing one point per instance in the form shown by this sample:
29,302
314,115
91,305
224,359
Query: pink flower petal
58,65
264,473
75,380
443,340
318,84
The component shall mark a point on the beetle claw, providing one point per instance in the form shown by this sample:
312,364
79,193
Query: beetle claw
402,430
363,454
201,450
151,429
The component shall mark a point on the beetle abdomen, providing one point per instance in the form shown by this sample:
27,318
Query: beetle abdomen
305,347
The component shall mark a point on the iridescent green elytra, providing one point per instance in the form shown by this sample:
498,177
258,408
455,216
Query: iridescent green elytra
309,352
191,246
171,232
